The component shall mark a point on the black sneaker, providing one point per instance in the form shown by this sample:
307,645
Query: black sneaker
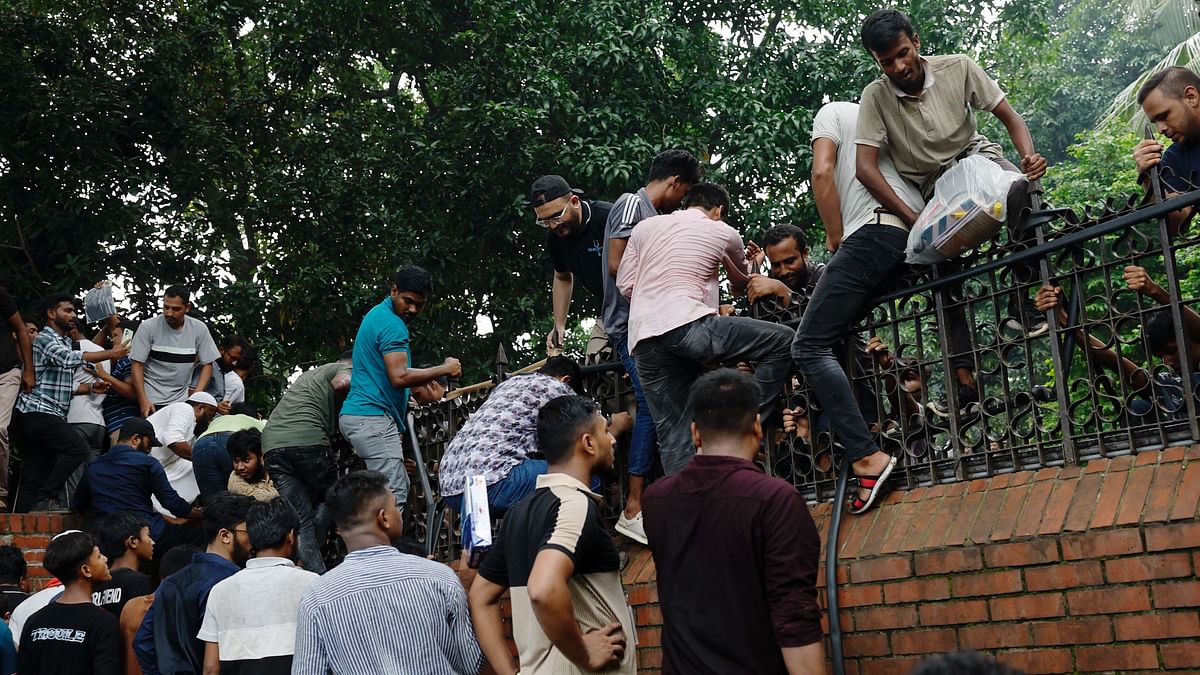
1027,321
968,403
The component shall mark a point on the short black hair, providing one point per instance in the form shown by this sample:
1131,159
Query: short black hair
1171,81
707,196
443,380
224,511
881,30
560,423
234,340
724,402
1160,331
963,663
13,567
558,366
781,233
177,558
112,530
268,523
66,553
52,301
242,444
679,163
244,408
413,278
351,494
179,291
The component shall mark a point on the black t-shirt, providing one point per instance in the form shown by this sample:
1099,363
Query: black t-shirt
581,254
126,584
70,639
9,358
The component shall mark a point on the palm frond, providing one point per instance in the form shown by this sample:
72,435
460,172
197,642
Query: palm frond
1125,107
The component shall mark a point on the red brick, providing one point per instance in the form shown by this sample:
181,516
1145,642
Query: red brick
843,575
885,618
880,528
27,542
948,613
1134,499
1108,600
854,539
634,565
866,644
1074,631
649,616
1009,514
858,595
847,621
650,658
916,590
643,595
1177,594
1142,568
924,641
897,534
1055,577
1122,463
649,637
887,666
994,636
977,485
1070,472
1101,544
648,573
1056,508
1020,478
938,527
1000,482
1146,458
1157,626
1187,497
1110,498
1048,473
960,528
1038,661
880,569
1034,509
1022,607
1183,655
1083,504
987,583
1096,466
1172,454
1022,553
1162,491
1193,452
950,561
1117,657
981,529
1168,537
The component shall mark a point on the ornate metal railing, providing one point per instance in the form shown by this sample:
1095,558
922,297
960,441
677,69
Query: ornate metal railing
1028,416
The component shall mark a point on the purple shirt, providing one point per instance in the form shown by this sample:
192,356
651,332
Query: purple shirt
737,553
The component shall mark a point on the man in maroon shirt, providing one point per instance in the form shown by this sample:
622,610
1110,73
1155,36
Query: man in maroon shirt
736,550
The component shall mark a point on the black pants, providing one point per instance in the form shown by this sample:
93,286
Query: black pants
50,452
302,474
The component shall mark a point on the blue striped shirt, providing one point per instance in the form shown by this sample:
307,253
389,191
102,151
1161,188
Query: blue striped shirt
382,611
55,364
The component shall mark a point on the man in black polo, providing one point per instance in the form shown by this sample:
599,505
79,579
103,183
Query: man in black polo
557,558
575,239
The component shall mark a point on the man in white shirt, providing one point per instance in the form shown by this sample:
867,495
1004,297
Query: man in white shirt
85,413
176,425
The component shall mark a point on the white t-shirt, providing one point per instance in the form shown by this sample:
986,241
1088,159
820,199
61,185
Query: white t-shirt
172,424
252,615
235,388
87,408
27,608
838,121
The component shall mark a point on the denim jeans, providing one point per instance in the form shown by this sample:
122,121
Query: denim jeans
644,439
670,363
302,474
212,464
376,439
863,263
520,482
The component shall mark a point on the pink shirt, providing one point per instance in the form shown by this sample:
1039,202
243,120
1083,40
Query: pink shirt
669,271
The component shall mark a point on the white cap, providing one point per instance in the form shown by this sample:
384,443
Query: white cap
203,397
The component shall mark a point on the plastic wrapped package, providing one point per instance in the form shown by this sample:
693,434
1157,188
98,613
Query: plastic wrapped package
968,207
98,304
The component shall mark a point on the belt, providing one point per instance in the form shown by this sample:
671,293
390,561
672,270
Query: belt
882,218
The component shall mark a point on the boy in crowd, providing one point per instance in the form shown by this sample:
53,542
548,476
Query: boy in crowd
72,636
124,538
14,581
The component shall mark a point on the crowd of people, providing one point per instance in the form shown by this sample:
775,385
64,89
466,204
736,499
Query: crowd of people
201,550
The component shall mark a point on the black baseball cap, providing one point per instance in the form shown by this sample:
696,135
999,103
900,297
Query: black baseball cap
141,427
549,188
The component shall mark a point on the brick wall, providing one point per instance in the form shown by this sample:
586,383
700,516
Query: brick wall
31,532
1085,569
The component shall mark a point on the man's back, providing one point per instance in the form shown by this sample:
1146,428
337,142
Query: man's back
382,611
178,609
736,553
70,639
307,413
124,479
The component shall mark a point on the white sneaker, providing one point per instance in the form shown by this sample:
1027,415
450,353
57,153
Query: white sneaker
632,528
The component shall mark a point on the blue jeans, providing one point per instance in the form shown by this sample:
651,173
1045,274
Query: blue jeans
644,440
376,438
520,482
212,464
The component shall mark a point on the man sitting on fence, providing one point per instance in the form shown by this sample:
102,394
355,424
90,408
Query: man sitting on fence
1171,101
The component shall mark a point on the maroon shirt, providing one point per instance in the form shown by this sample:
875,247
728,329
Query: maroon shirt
737,554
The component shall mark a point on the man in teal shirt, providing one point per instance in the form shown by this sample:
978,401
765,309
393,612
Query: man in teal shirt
373,415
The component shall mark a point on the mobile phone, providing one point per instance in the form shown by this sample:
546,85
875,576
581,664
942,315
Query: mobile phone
127,336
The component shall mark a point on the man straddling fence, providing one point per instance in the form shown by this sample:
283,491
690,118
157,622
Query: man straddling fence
1171,101
669,273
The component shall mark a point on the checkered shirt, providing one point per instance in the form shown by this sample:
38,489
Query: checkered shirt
54,364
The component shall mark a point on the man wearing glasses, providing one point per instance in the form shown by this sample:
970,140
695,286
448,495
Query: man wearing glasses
575,239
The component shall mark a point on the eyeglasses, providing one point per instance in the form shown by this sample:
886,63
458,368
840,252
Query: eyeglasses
554,220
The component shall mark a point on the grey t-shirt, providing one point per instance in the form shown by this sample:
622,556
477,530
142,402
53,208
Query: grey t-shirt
629,210
169,356
838,121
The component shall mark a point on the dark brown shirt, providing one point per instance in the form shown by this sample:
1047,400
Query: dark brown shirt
736,553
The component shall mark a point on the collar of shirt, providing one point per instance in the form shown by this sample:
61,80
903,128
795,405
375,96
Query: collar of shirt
725,461
587,212
563,480
215,560
645,197
924,88
372,552
268,561
120,447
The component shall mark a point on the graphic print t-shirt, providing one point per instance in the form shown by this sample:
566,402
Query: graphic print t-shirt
70,639
125,584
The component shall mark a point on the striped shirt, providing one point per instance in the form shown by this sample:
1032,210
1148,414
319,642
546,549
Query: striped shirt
630,209
54,363
382,611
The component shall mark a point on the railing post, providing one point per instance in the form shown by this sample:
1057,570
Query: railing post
1062,366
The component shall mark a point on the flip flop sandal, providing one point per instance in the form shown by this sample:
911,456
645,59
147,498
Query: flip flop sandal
876,484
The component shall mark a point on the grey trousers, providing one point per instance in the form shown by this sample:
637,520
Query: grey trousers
376,439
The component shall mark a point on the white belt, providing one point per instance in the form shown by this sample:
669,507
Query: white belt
888,219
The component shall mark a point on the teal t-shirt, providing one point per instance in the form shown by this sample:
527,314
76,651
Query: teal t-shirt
381,332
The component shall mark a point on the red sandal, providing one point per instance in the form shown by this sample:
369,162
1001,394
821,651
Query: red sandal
876,484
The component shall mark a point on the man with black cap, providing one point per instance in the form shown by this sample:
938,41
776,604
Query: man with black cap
575,239
126,477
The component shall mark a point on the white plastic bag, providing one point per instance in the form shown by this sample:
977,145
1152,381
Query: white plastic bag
968,207
98,304
476,521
